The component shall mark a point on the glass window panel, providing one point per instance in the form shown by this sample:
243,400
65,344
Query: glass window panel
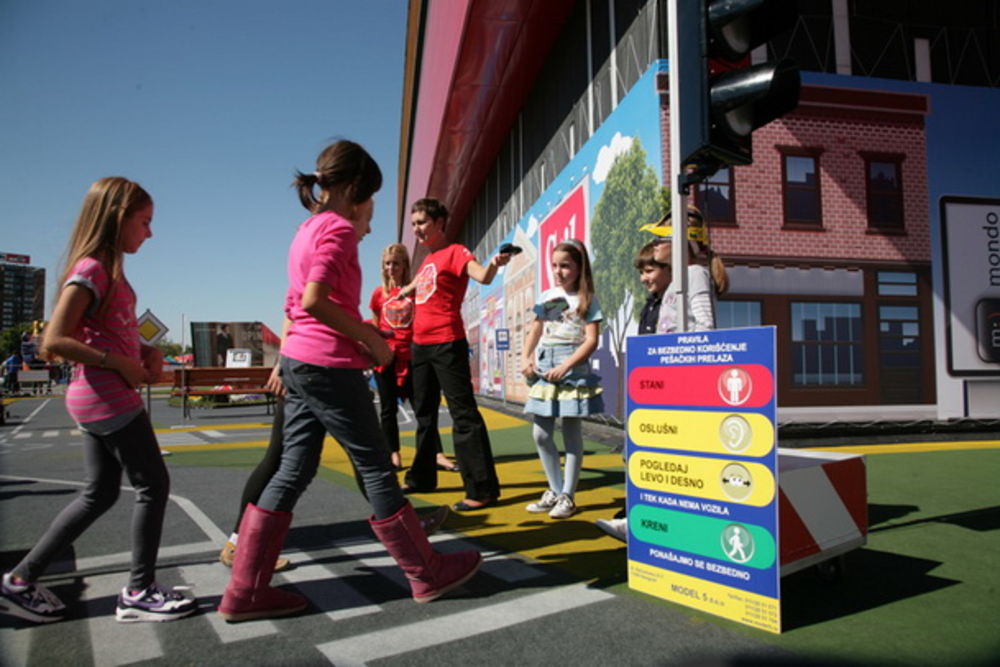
883,175
901,360
897,290
716,202
911,329
802,205
800,170
730,314
898,312
897,277
824,348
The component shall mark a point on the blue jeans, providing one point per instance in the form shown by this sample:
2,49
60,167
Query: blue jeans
337,401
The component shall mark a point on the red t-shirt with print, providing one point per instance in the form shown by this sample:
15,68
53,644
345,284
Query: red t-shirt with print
441,283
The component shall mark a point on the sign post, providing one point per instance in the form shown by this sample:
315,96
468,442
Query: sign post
151,331
702,464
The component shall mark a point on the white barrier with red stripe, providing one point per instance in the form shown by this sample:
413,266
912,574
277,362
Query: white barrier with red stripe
823,506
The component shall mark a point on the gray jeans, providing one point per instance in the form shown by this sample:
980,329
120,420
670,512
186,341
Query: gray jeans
337,401
134,449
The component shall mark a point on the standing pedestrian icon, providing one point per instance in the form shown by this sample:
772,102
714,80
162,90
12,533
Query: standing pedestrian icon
737,543
735,386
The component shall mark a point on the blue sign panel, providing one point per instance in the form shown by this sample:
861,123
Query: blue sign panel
703,472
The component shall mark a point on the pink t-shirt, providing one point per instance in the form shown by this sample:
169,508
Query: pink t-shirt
324,250
441,283
96,394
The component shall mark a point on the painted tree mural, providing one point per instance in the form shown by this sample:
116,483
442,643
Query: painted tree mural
632,196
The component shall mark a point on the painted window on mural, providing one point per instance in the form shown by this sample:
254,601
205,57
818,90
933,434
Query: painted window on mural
897,283
801,190
715,198
733,314
885,193
826,344
899,336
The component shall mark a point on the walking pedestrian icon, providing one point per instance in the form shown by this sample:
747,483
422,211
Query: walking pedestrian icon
737,543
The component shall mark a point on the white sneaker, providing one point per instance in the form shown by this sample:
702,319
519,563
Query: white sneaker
616,528
564,509
546,503
154,604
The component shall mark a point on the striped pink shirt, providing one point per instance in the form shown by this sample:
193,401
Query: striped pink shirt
96,394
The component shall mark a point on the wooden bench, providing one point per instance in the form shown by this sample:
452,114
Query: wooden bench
206,381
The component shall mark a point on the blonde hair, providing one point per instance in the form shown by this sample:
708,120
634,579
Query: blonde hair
97,233
394,250
698,246
585,281
716,267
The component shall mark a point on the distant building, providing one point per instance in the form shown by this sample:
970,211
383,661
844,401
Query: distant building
22,290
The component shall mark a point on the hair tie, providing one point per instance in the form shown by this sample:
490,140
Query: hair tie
316,175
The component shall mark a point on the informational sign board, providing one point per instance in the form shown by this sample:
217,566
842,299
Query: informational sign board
503,340
239,357
151,329
702,472
970,240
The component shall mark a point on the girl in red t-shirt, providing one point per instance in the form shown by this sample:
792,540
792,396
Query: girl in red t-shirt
441,360
394,319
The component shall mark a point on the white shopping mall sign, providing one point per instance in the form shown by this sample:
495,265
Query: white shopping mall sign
970,236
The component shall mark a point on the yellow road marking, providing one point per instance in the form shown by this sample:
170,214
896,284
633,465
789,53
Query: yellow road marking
914,447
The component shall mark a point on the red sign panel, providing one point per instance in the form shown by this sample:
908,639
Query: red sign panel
568,220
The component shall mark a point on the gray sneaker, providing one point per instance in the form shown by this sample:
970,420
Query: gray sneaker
564,509
546,503
33,602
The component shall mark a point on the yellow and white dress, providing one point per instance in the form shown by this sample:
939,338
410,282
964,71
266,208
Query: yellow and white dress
579,393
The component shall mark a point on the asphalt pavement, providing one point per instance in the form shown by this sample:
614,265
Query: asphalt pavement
922,591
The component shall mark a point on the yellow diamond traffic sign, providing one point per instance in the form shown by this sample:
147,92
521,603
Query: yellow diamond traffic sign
151,329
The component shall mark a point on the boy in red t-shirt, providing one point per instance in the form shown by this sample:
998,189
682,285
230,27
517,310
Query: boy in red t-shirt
440,358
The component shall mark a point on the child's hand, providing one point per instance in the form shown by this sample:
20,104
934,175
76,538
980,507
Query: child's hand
528,368
558,373
376,348
274,383
152,362
130,369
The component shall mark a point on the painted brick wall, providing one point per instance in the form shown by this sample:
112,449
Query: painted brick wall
845,235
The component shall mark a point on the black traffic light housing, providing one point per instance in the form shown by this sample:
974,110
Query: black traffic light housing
726,100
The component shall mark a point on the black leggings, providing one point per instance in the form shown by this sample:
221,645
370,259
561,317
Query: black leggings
134,449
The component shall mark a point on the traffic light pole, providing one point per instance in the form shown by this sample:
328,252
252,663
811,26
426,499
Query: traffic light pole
681,50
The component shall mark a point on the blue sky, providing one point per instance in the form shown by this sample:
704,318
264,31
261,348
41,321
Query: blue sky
211,105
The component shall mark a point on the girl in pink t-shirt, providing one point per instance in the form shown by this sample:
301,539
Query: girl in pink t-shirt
325,350
94,326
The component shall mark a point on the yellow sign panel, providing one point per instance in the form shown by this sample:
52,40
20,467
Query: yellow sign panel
717,479
742,433
733,603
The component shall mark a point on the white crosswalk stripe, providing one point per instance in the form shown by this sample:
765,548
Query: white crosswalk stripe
325,586
115,643
209,581
361,649
50,434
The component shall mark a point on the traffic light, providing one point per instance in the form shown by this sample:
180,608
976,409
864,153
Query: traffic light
724,98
